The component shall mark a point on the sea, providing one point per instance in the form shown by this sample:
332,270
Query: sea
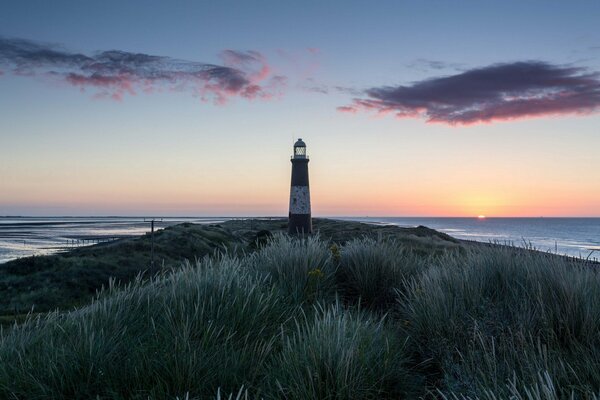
27,236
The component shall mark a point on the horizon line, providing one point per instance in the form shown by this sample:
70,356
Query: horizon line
285,217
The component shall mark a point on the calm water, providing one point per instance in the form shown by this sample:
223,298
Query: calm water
26,236
571,236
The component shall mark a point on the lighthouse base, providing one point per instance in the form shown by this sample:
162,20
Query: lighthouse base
299,224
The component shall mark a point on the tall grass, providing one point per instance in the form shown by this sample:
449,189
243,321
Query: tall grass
208,326
302,268
491,323
372,270
339,354
495,320
542,389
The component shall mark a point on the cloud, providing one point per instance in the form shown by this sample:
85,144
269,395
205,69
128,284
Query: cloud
117,73
423,64
497,92
237,58
316,89
347,109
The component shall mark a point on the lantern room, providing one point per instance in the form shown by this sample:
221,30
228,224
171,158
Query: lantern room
299,149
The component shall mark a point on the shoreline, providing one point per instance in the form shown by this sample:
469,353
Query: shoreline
68,242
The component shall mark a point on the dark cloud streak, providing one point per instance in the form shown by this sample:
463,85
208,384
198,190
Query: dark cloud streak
494,93
423,64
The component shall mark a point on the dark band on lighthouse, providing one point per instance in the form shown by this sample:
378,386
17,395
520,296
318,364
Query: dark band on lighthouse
299,217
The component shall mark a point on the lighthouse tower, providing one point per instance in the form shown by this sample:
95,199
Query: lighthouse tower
299,220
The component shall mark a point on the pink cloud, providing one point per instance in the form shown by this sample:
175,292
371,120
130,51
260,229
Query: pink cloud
347,109
115,74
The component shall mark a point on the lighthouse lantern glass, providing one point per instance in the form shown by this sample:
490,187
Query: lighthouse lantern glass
300,151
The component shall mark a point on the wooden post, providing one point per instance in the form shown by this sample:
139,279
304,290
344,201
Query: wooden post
152,221
152,244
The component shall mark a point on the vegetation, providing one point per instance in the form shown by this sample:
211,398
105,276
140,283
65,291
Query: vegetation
372,271
374,317
340,354
503,322
70,279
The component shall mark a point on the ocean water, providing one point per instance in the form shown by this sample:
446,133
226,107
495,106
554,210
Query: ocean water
26,236
578,237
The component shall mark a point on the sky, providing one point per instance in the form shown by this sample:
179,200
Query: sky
191,108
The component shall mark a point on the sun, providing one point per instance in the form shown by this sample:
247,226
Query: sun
481,217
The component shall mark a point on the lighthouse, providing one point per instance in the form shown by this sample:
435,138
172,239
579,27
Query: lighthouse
299,218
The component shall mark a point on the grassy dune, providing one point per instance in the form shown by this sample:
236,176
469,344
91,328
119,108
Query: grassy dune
70,279
65,280
364,318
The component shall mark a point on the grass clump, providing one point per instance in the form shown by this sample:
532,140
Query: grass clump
302,268
340,354
372,269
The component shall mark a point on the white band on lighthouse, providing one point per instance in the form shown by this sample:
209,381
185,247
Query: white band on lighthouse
299,200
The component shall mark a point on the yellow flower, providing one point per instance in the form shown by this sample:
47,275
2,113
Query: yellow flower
316,272
335,252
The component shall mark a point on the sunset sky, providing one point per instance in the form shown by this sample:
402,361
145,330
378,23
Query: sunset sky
407,108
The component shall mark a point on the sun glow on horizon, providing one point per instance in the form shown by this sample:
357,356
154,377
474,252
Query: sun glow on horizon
481,217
